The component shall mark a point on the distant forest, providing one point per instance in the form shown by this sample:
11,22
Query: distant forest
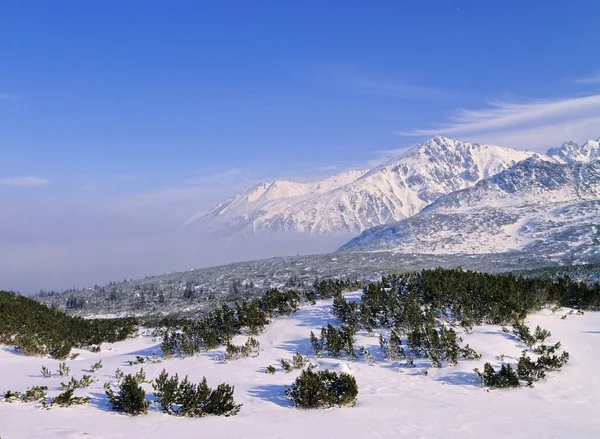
469,297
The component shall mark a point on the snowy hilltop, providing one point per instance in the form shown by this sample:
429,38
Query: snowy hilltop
354,201
539,206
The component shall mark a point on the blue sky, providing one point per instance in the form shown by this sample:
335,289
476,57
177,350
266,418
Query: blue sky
116,114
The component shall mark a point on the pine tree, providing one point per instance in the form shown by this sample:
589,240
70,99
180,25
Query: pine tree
130,399
322,389
396,350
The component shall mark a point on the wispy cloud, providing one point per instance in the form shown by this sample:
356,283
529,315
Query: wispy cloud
26,181
227,176
397,87
592,79
501,115
203,189
200,190
503,120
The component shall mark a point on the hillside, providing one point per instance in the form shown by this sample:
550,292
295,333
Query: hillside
537,206
394,399
188,292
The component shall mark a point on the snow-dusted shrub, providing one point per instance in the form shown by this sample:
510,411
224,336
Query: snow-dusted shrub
501,379
130,398
322,389
183,398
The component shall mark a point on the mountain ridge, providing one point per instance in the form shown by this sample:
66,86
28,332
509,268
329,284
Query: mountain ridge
354,201
536,205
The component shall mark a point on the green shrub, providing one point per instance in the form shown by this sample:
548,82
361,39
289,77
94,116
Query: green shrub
322,389
548,360
130,399
67,399
35,329
33,394
286,366
193,400
502,379
522,332
63,370
96,366
251,348
299,361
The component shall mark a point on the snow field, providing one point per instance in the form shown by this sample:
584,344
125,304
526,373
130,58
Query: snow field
393,400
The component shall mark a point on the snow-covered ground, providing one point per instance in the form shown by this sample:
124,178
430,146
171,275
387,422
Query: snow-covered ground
394,400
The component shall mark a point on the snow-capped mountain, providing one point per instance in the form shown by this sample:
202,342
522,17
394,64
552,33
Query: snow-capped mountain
571,152
354,201
538,205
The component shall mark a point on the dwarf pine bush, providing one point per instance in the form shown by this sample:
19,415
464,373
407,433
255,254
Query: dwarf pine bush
322,389
183,398
130,398
501,379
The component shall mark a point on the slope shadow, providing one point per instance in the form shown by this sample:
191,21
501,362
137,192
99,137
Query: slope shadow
100,401
11,350
147,352
301,346
508,336
274,393
314,316
468,379
214,355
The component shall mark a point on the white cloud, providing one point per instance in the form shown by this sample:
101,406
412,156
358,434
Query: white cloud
593,79
529,124
386,155
27,181
541,137
380,86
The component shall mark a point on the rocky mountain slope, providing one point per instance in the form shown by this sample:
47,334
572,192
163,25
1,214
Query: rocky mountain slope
537,206
571,152
354,201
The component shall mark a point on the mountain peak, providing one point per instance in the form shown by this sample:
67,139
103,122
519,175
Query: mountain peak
537,205
571,152
352,201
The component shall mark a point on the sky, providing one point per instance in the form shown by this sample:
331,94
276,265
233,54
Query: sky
119,120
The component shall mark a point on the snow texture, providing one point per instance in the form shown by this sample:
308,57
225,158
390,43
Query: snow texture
394,400
537,206
354,201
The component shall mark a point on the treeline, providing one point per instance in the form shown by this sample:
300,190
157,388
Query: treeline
217,327
420,309
471,297
35,329
412,305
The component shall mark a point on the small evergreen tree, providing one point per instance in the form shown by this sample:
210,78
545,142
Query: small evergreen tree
322,389
286,366
502,379
251,348
96,366
316,344
46,372
130,399
63,370
193,400
298,361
